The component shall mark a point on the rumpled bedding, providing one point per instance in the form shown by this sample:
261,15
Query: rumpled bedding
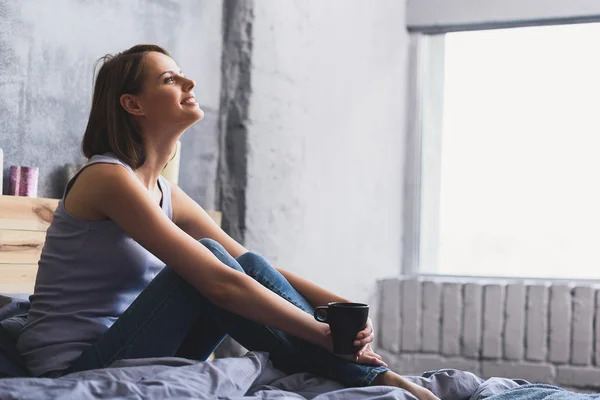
249,377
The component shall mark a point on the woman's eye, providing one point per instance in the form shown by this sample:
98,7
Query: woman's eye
169,79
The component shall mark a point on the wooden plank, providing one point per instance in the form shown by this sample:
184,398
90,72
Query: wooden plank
17,278
26,213
21,247
17,288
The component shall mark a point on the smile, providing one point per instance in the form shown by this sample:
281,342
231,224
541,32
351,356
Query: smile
190,101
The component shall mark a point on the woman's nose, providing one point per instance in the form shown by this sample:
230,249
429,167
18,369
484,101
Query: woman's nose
189,84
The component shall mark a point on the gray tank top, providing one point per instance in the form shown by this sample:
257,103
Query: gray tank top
89,273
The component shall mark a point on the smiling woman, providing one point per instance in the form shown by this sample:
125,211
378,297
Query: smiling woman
135,268
166,101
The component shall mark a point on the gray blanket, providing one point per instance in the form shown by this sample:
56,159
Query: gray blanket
543,392
248,377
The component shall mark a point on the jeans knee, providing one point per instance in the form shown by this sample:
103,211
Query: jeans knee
221,253
253,263
251,256
213,245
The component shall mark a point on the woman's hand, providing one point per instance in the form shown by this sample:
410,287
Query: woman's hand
365,355
364,338
368,356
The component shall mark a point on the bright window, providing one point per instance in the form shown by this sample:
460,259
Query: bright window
515,190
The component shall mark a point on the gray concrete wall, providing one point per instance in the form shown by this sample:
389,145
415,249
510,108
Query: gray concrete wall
326,140
539,331
233,122
48,51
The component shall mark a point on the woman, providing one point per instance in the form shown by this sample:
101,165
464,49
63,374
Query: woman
103,291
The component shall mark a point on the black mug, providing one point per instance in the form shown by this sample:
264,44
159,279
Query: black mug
345,321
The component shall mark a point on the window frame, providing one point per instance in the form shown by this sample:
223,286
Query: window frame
425,97
425,87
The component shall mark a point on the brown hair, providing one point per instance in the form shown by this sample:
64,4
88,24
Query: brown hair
110,128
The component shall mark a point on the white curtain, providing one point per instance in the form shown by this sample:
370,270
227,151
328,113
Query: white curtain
438,16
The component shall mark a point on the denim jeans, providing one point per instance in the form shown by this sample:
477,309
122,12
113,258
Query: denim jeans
171,318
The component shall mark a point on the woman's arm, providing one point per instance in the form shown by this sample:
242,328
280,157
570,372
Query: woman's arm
192,219
118,195
315,294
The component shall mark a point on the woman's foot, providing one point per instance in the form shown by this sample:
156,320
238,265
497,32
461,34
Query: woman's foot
390,378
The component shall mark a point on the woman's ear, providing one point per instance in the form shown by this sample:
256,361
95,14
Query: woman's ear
131,105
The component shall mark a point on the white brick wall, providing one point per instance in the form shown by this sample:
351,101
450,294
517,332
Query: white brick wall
493,321
411,315
390,326
560,324
432,317
514,328
582,336
471,332
451,319
536,328
541,332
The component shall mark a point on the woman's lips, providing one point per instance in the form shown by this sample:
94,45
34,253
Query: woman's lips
190,101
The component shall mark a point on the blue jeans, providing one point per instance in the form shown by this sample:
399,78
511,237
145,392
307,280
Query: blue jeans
171,318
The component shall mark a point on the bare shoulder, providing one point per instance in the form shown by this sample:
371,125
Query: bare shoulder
96,183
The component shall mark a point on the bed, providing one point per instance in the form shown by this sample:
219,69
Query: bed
23,223
249,377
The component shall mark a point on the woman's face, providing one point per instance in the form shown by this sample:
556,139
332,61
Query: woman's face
168,97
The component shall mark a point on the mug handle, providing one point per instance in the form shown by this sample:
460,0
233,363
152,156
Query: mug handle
317,315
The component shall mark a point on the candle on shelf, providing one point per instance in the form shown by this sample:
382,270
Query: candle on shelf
171,171
23,181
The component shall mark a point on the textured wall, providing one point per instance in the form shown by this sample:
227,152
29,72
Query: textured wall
538,331
48,52
326,140
233,122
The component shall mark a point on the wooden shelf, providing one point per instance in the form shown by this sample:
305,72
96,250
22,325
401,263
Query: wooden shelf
26,213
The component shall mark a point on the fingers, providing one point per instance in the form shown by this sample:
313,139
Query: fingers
366,355
362,351
371,359
366,350
368,331
365,340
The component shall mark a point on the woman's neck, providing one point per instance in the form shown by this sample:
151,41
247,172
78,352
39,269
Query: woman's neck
157,156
